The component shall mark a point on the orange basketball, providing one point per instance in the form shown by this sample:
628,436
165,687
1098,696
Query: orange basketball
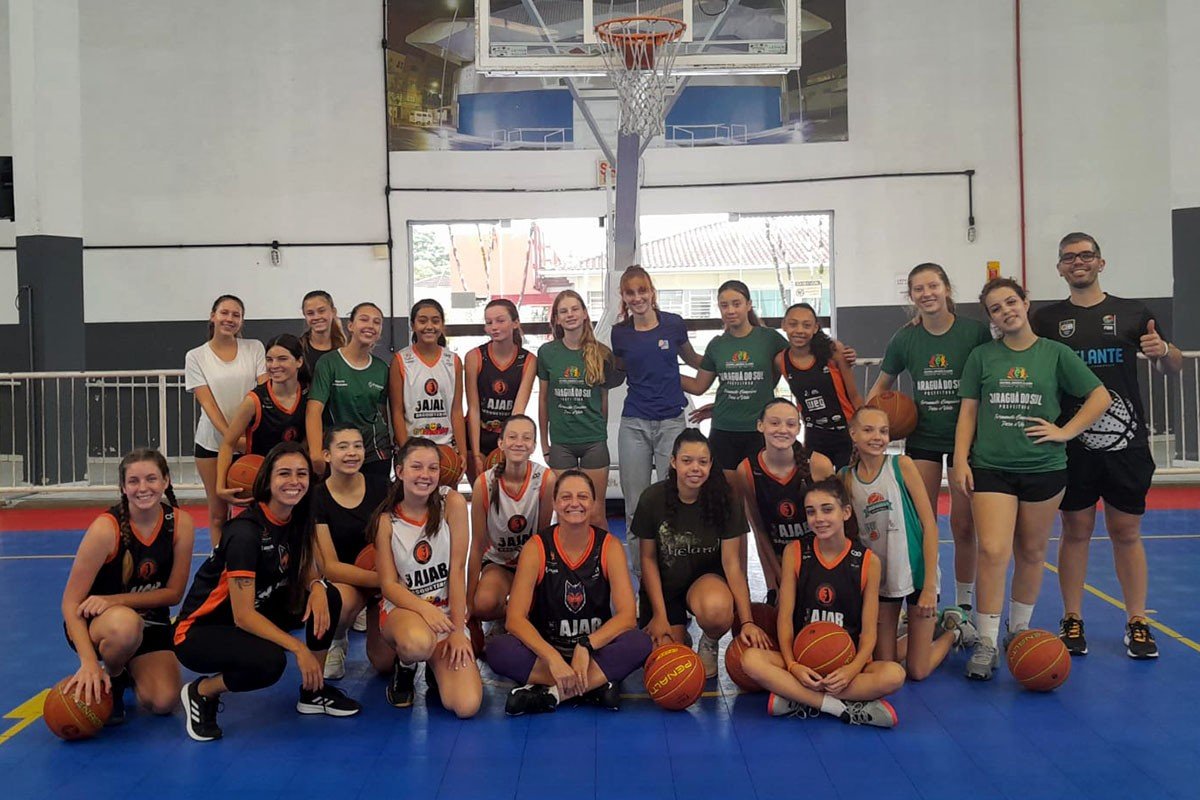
901,412
452,467
366,558
242,472
733,665
70,719
1039,660
823,647
664,650
494,458
675,680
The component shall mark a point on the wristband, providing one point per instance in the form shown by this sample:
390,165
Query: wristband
586,644
315,581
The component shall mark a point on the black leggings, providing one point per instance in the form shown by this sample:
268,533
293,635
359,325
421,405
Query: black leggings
245,661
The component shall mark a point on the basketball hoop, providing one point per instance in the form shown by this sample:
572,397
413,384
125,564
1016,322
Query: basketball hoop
639,53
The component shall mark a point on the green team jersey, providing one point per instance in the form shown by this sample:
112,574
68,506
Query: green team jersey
355,397
576,410
935,364
1013,384
745,367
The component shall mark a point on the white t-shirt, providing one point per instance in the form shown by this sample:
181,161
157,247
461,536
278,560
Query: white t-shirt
229,382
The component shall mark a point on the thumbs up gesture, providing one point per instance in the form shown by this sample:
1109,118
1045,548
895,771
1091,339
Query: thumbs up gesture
1153,345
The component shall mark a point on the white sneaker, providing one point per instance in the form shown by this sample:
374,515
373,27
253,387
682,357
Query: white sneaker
335,660
707,650
360,622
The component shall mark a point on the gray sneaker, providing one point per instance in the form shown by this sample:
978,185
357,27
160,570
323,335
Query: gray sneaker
955,619
707,650
875,712
780,706
983,660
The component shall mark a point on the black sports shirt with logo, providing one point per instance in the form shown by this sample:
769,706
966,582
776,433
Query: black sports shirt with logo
830,592
571,599
150,563
1107,336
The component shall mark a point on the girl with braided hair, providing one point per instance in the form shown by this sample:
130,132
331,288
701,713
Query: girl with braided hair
692,531
131,567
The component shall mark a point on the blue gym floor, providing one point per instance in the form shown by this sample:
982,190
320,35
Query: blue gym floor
1117,728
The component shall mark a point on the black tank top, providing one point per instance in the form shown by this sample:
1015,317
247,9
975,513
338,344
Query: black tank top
830,593
273,421
150,564
820,395
570,600
780,504
498,387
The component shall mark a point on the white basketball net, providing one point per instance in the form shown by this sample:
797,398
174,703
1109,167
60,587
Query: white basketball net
639,53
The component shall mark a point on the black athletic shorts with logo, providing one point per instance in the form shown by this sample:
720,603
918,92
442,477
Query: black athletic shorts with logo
1120,477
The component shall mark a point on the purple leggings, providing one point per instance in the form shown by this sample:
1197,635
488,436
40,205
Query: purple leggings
508,656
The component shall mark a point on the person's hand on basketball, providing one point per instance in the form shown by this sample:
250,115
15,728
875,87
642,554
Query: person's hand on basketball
927,602
659,631
837,681
312,674
808,677
317,608
435,618
237,497
564,677
753,636
89,682
459,652
701,413
1042,431
93,606
581,659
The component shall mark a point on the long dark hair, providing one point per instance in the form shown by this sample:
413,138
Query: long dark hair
123,523
513,314
800,454
428,302
929,266
715,500
395,495
337,337
213,328
821,345
293,345
744,291
498,470
834,487
301,521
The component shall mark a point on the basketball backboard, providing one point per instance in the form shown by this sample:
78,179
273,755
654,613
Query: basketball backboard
549,37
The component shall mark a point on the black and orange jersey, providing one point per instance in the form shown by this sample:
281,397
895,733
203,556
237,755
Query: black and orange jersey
780,502
820,393
498,386
254,545
830,592
571,599
143,566
274,421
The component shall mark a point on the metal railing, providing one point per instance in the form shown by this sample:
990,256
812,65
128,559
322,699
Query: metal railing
67,431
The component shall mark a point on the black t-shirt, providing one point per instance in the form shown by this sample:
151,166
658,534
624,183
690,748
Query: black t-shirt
348,526
688,546
1107,337
253,545
312,355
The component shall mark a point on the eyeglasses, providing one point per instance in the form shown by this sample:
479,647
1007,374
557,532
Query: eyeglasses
1087,257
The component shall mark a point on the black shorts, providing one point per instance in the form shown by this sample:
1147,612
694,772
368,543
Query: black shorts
834,445
154,638
1028,487
936,456
729,448
910,600
678,612
203,452
1121,477
488,442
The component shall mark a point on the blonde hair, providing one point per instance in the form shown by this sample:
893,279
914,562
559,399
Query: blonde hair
596,355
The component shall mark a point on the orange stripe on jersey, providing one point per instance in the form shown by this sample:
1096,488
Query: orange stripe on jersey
587,551
399,362
604,555
866,567
153,534
785,480
436,357
280,405
837,559
541,551
747,474
217,596
796,556
839,385
271,518
524,485
116,538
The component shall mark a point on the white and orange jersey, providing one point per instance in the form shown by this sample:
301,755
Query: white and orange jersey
516,519
429,393
422,561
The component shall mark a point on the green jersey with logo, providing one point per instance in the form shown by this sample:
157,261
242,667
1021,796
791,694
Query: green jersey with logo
745,367
355,397
1012,385
935,364
576,409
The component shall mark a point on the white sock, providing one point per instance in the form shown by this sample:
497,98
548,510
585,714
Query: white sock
554,693
964,594
1019,616
831,705
989,627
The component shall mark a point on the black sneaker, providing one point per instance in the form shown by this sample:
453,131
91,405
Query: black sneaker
1139,642
400,687
119,684
530,699
200,712
1070,630
327,700
606,696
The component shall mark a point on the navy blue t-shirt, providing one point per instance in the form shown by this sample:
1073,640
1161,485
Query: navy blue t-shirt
651,360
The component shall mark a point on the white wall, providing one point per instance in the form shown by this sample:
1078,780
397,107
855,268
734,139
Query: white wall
1183,84
230,122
